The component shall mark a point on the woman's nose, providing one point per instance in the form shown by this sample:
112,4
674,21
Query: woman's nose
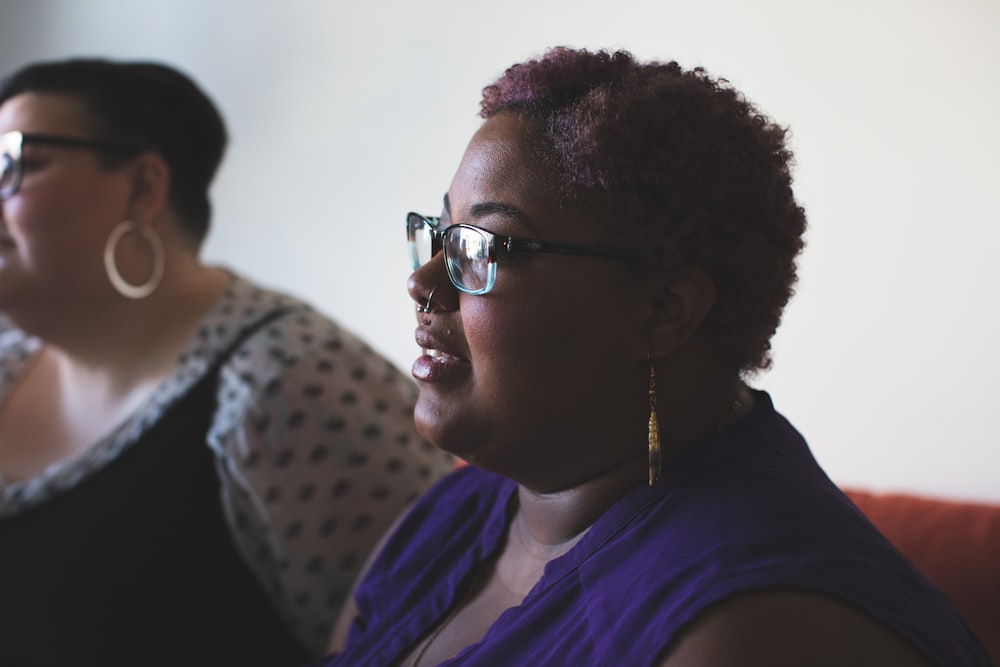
430,278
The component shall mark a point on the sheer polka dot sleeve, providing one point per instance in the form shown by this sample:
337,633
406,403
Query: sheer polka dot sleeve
317,455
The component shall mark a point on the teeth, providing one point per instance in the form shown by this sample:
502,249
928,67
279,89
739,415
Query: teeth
438,355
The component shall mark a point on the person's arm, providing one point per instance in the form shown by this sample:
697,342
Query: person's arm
350,611
318,455
782,628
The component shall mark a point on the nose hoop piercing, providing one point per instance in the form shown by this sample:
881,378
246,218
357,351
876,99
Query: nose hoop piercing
426,308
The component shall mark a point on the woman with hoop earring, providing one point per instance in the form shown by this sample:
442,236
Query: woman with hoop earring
187,459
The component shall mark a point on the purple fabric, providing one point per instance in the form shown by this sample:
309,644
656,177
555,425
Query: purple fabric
747,509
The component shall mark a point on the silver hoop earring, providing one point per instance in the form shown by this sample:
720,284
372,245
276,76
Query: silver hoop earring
125,288
428,306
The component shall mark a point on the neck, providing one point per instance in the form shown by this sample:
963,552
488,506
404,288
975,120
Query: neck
556,520
705,406
122,342
695,415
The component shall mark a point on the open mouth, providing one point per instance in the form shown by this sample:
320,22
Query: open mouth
435,366
438,355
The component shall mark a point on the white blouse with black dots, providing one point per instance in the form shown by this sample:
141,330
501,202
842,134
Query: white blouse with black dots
314,441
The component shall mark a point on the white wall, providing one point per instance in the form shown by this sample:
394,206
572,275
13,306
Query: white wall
344,115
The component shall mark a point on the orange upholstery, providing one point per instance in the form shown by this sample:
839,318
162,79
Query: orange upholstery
955,544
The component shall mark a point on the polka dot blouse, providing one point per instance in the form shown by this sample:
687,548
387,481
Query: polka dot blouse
313,440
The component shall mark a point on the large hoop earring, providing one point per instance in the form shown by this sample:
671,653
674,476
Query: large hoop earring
125,288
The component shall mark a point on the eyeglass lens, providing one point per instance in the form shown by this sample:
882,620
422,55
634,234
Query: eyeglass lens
10,167
466,251
421,241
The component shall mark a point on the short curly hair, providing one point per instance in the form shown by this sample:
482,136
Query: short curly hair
692,171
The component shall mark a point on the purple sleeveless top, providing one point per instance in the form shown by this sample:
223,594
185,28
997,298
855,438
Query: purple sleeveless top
745,509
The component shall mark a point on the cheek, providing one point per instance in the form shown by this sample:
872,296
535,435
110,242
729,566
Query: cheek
547,339
57,238
27,222
519,330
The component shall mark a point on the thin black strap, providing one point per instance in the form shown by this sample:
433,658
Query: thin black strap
244,335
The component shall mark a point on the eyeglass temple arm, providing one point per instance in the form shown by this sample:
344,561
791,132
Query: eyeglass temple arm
73,142
512,244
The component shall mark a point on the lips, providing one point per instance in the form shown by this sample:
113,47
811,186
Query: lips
435,364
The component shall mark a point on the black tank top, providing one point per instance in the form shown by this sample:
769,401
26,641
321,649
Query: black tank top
136,565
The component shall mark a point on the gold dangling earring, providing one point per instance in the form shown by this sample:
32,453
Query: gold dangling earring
654,430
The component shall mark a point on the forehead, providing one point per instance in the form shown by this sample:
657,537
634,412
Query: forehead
42,112
503,164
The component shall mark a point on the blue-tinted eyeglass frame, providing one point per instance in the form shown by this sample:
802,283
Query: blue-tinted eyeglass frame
12,142
507,244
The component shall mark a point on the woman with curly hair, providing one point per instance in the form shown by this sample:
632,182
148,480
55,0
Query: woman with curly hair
613,257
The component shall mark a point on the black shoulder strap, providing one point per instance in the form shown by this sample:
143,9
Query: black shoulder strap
244,335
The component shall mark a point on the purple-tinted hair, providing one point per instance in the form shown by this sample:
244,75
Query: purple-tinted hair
684,165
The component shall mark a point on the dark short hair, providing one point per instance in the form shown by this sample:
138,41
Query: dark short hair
144,106
684,164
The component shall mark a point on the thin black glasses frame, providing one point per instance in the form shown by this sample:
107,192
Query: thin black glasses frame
42,139
510,244
513,244
73,142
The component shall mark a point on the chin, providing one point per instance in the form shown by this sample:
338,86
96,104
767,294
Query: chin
454,432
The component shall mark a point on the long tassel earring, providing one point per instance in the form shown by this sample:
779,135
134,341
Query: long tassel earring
654,430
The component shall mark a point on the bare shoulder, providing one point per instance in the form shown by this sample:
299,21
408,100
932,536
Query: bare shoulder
780,628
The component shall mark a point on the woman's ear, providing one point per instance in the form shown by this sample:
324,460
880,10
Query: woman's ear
150,187
679,302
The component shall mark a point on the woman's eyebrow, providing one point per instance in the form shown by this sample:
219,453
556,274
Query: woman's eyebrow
484,209
510,213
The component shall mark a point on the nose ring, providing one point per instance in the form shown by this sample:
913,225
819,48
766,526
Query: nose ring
428,306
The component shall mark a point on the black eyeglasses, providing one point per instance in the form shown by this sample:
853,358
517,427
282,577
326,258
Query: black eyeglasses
12,166
470,252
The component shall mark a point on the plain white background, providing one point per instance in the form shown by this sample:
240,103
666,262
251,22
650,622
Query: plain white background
345,115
